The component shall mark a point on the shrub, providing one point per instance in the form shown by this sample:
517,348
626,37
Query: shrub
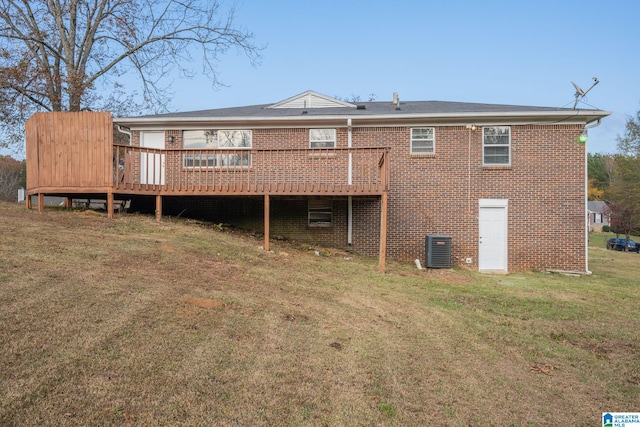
10,174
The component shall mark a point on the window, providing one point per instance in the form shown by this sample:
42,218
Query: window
320,213
217,139
423,141
496,145
322,138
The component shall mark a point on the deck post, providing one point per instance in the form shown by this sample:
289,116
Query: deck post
383,231
28,201
110,204
158,208
266,222
40,202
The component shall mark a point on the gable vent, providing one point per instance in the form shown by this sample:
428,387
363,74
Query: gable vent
310,100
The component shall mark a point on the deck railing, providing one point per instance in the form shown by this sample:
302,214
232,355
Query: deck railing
346,171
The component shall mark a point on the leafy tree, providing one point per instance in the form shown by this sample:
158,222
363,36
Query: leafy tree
593,192
10,178
68,55
623,194
623,191
623,219
599,170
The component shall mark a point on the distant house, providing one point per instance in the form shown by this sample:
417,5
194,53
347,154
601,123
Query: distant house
599,215
373,177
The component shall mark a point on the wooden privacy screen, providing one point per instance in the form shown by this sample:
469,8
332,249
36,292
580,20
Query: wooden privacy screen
69,152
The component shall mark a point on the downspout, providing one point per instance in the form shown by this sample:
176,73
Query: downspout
586,192
594,125
350,182
126,132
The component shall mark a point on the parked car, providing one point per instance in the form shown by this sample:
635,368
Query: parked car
619,244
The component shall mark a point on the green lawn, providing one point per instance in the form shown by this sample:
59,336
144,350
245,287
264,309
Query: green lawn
129,321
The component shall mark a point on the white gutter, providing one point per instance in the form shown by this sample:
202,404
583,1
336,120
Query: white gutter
350,181
126,132
501,115
586,197
349,145
595,125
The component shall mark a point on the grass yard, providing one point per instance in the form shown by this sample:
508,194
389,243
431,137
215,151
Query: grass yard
129,321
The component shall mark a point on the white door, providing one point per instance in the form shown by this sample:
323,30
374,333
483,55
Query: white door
152,164
492,224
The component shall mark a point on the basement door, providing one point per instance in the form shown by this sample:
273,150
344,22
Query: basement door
152,165
492,224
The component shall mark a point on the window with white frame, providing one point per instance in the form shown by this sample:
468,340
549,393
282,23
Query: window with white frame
423,140
496,142
320,212
322,138
236,141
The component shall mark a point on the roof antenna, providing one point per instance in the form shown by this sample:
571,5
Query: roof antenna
581,93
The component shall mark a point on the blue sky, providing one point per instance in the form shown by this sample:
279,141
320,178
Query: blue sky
503,52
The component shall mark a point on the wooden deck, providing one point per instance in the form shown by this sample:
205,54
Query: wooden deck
348,171
73,155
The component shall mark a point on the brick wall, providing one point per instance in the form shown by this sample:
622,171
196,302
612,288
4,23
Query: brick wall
439,194
288,217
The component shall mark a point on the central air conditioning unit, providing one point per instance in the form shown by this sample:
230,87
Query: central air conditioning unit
438,251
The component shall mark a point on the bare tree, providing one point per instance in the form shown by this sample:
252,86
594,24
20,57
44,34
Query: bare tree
67,55
629,143
357,98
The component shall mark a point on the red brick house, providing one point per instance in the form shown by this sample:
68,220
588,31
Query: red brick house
505,183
